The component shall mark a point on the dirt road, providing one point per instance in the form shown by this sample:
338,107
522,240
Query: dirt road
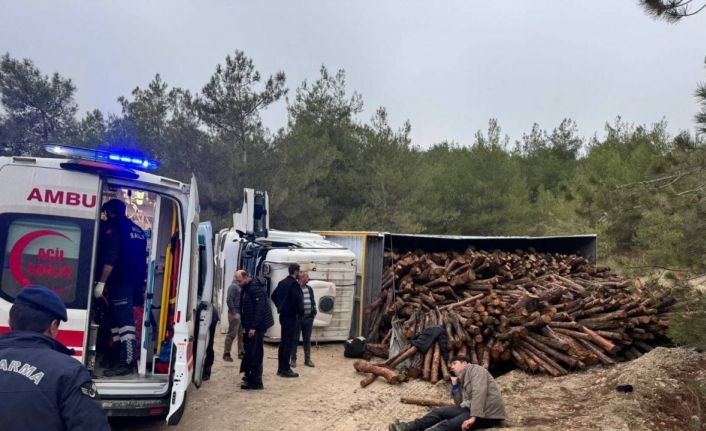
329,397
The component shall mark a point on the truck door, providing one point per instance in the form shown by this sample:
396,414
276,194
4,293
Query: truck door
205,310
184,327
254,216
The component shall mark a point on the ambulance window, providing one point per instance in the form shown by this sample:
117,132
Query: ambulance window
49,251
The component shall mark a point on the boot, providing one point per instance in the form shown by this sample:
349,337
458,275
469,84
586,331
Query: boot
308,363
398,426
227,358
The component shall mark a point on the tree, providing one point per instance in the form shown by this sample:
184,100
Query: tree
319,156
671,10
230,103
38,109
700,118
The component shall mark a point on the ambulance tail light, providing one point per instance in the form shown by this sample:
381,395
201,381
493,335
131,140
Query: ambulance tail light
126,160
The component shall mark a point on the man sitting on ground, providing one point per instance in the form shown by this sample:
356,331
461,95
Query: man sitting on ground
478,402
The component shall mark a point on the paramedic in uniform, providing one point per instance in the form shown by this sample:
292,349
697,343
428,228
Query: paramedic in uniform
41,386
123,255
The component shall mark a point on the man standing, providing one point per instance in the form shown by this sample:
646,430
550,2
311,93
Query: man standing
256,319
41,386
235,327
478,402
123,256
289,301
305,325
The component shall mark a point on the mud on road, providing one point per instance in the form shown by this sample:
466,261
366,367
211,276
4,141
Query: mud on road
329,397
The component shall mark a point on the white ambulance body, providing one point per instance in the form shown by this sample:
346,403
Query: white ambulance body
266,253
49,231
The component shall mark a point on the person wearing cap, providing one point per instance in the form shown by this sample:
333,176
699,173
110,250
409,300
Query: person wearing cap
123,266
41,386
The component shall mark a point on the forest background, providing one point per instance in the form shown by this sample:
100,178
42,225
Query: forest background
642,191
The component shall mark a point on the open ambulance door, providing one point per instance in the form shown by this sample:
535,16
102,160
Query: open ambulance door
204,310
184,327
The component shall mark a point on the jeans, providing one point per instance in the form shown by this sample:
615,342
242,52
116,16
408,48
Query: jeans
289,332
305,327
449,419
251,364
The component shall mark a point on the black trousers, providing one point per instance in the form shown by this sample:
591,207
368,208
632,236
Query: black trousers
208,362
304,326
449,419
289,332
251,364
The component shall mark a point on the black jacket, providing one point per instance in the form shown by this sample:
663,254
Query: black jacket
255,311
292,302
43,388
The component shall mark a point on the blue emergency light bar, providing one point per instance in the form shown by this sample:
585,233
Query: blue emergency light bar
127,160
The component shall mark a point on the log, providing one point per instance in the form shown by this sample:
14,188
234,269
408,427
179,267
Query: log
386,373
436,363
407,352
368,380
425,403
426,370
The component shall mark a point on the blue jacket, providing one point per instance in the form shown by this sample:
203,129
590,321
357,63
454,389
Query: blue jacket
43,388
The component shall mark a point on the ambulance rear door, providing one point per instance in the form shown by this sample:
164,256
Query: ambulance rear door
183,341
204,310
48,222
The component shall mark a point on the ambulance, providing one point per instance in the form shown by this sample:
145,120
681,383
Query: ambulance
50,222
266,254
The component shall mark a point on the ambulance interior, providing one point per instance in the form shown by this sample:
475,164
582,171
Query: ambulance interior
158,216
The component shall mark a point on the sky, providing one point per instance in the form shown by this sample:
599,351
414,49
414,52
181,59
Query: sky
446,66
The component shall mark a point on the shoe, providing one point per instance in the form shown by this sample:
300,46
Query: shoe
308,363
122,370
398,426
288,373
206,377
249,387
227,358
293,363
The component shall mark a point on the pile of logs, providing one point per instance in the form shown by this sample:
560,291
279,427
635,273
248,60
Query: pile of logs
544,312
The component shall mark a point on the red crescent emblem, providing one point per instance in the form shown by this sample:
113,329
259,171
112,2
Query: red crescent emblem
19,248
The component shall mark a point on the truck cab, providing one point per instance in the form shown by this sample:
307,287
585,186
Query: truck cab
50,231
266,254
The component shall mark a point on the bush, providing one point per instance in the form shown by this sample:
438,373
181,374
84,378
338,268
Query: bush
688,320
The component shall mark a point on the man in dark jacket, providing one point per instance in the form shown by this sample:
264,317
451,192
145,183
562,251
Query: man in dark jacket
305,325
123,264
290,305
41,386
256,318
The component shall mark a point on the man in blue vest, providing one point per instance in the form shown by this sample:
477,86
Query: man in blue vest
123,263
41,386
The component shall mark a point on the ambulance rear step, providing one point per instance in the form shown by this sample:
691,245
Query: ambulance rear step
136,407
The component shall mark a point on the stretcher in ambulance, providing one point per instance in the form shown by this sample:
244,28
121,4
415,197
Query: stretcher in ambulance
50,219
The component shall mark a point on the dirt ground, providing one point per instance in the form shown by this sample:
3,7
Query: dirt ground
329,397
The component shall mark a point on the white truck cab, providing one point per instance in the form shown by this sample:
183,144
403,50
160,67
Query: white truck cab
266,254
50,221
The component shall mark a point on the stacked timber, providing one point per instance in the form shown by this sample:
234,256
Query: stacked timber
542,312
